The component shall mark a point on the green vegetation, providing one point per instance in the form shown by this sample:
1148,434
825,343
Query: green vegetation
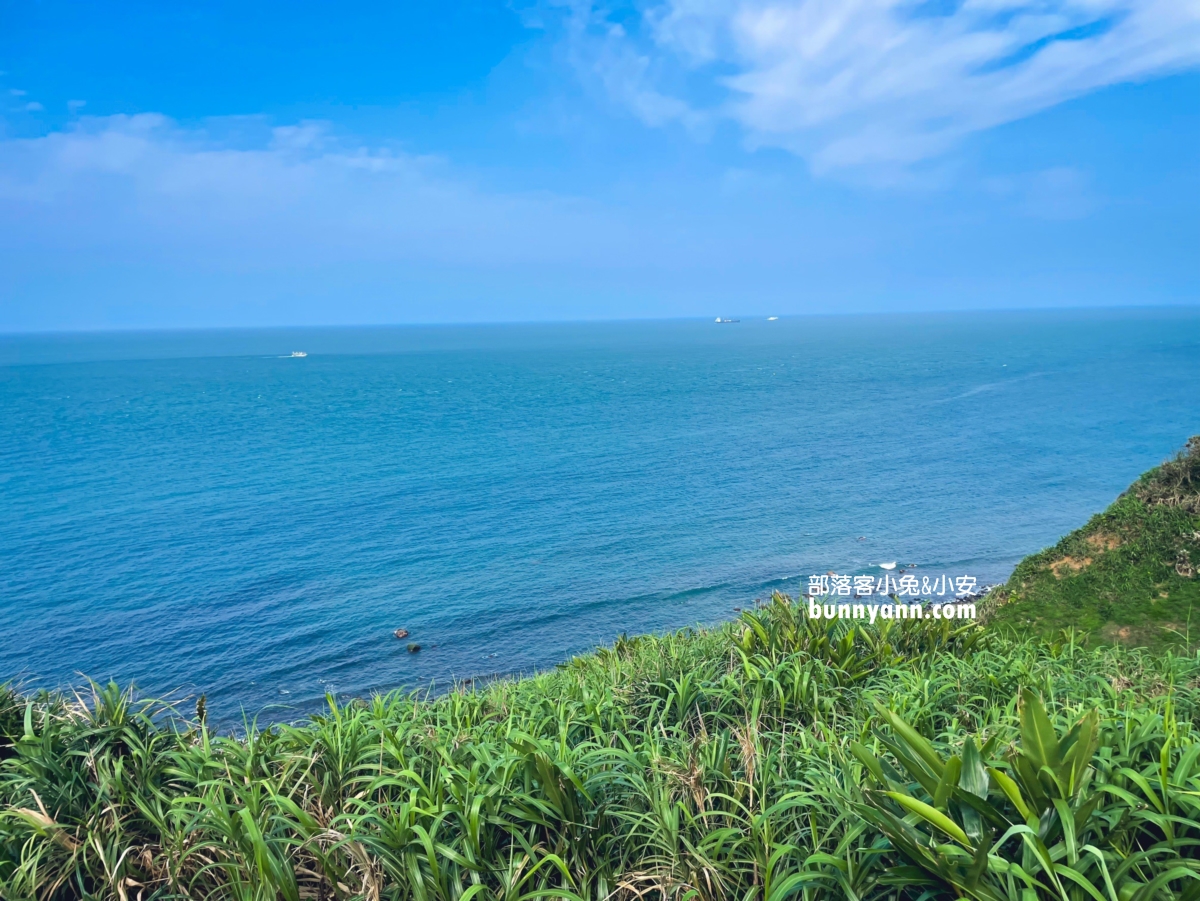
1129,575
768,759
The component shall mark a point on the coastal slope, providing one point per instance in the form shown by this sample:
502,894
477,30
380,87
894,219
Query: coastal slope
1129,575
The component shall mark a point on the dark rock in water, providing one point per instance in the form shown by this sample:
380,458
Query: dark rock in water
413,647
401,633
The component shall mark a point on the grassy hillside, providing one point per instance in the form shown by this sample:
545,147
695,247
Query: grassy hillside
769,759
1131,575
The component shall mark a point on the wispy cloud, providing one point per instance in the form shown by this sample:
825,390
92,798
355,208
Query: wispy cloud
603,52
854,83
141,221
299,192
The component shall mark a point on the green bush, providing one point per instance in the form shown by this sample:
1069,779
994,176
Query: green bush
1039,825
767,759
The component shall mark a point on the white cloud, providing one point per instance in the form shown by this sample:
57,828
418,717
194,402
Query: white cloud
33,107
141,221
603,53
138,221
144,188
850,83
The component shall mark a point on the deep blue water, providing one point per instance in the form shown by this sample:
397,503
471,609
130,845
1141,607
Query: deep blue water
196,512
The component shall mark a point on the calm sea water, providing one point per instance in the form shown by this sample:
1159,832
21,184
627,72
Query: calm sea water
198,512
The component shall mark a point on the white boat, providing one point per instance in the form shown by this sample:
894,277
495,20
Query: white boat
299,353
772,318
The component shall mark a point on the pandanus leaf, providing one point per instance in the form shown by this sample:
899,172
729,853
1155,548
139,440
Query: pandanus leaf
913,739
912,765
947,783
973,780
1012,791
931,815
974,777
870,761
1038,741
1079,747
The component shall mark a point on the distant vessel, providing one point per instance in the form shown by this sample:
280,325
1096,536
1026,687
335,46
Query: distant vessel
299,353
719,319
772,318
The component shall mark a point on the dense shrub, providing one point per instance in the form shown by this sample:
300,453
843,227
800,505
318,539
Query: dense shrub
766,759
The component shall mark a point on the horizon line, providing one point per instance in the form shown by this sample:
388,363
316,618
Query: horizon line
752,316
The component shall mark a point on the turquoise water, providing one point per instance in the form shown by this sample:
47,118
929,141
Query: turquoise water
198,512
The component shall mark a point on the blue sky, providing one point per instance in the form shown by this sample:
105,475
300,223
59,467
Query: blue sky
178,165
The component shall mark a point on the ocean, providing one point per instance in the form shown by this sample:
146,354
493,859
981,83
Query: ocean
200,512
